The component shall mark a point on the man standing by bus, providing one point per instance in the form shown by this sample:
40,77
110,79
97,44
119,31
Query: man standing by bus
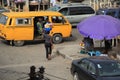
40,25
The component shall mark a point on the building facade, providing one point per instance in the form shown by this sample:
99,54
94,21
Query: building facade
34,5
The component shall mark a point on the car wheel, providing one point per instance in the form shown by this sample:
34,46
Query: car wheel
75,76
57,38
18,43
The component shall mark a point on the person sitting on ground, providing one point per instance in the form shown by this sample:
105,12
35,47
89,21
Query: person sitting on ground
89,45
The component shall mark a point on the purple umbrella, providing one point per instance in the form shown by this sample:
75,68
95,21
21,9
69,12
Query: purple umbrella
100,27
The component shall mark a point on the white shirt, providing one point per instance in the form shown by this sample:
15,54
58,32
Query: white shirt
53,2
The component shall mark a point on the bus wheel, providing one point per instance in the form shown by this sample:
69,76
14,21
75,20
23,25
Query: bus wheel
57,38
18,43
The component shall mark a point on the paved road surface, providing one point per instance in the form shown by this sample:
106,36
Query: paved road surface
15,61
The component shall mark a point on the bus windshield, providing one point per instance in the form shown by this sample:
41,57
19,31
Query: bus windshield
3,19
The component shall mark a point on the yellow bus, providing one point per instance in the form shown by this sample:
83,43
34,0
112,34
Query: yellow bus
18,27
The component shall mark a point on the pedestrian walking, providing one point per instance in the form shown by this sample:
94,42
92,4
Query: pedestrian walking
48,44
19,5
54,3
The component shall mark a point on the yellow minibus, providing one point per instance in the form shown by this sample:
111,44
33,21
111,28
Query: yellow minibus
18,27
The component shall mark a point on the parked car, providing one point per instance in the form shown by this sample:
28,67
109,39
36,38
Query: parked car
74,12
115,12
95,68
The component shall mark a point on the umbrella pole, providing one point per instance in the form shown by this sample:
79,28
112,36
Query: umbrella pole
101,43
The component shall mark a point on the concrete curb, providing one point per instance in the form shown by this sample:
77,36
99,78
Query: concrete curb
63,55
70,52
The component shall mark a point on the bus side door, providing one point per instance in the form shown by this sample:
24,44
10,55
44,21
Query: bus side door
23,29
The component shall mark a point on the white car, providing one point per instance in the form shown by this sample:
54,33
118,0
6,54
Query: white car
75,13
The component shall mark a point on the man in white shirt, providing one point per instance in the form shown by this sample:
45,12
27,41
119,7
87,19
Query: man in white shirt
52,2
55,3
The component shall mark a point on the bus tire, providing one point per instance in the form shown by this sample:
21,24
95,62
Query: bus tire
57,38
18,43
